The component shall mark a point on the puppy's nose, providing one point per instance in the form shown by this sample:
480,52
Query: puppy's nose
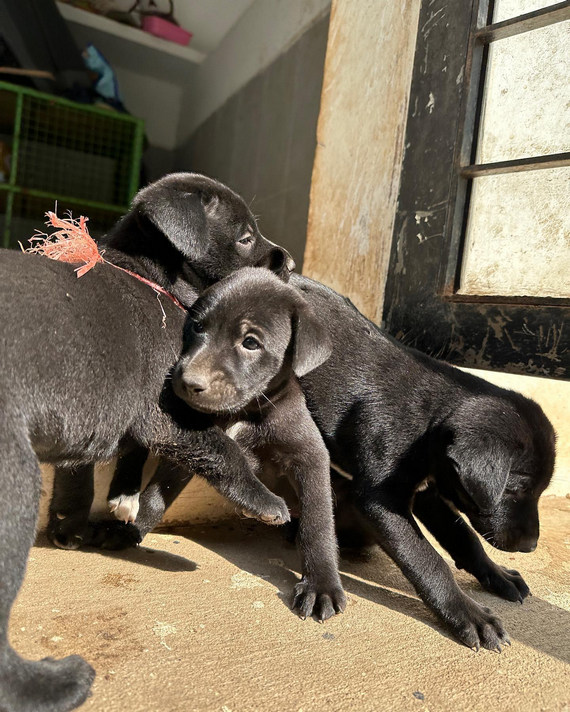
278,260
195,384
526,545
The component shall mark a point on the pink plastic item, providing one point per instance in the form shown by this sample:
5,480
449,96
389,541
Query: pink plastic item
167,30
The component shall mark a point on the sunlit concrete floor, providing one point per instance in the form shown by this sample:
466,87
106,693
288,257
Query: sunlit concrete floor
198,619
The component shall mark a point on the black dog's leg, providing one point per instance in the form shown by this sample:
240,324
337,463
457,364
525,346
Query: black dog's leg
352,531
166,484
28,686
455,535
124,491
214,456
401,538
70,505
210,454
320,589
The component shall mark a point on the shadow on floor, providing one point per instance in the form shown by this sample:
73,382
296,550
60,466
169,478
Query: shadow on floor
143,555
537,624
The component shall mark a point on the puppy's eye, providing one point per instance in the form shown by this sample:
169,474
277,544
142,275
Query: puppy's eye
197,327
519,490
247,237
250,343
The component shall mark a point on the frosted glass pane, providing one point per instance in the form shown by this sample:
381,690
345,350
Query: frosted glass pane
518,235
526,109
505,9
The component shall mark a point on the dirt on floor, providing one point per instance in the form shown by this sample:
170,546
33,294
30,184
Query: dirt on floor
198,619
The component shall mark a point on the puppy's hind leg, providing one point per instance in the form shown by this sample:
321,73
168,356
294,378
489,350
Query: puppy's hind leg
124,491
46,685
70,506
355,538
166,484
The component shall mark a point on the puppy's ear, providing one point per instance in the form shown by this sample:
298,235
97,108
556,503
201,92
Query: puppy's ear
312,343
182,218
485,441
483,466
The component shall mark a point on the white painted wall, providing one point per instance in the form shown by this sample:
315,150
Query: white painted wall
242,37
266,30
156,101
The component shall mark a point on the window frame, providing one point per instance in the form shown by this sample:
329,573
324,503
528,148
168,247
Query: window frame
422,306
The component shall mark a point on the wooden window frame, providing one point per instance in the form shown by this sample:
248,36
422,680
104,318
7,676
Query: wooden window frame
422,306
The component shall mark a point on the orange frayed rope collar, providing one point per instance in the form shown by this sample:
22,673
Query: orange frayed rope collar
71,242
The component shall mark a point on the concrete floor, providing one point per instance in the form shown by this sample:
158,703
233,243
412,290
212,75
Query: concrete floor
197,619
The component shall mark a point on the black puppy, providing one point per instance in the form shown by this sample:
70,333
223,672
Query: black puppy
84,363
250,335
210,232
413,432
248,338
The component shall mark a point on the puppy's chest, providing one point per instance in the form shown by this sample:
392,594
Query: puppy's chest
261,439
250,435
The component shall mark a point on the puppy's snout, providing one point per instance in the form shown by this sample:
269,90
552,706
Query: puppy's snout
194,383
516,540
279,261
189,384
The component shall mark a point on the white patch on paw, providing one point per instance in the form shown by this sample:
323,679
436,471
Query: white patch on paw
234,430
125,507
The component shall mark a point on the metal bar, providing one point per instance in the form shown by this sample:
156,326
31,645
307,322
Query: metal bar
13,169
8,219
116,115
136,159
16,139
501,299
474,71
534,163
27,72
524,23
68,199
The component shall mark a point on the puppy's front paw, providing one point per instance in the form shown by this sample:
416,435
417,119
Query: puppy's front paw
125,507
477,626
321,600
270,509
506,583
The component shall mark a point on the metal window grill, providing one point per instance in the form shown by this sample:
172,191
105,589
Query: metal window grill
483,36
85,158
483,33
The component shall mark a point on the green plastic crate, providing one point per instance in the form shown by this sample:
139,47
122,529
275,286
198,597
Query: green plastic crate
83,159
